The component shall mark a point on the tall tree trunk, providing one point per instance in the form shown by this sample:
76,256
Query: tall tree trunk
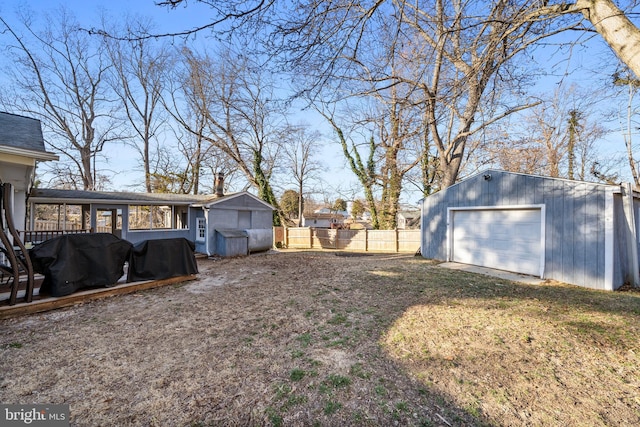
265,192
574,118
615,28
300,203
87,169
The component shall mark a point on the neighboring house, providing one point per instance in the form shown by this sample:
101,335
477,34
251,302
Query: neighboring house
574,232
343,214
136,217
323,220
21,147
408,220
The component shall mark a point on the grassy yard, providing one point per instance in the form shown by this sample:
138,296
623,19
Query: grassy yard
308,338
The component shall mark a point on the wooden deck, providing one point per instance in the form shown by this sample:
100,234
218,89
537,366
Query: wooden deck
45,303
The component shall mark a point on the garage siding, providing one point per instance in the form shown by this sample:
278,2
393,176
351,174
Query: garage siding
574,224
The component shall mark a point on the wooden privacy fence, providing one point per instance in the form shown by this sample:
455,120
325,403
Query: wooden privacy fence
349,240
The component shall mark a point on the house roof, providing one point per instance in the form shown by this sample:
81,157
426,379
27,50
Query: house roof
327,211
412,214
323,216
49,195
23,136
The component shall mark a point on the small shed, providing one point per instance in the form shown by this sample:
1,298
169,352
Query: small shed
222,220
232,242
572,231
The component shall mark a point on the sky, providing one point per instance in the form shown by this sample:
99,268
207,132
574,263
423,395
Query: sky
578,68
337,178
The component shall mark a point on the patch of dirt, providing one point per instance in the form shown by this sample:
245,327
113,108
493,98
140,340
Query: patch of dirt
304,338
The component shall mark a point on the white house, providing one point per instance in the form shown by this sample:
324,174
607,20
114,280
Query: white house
21,147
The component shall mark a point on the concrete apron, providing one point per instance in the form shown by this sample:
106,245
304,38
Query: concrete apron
506,275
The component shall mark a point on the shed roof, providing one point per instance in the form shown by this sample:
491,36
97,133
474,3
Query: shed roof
212,201
232,233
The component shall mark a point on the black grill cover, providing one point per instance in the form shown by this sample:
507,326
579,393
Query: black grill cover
161,259
77,261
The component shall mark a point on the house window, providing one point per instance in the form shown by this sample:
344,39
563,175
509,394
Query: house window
201,229
162,217
181,217
139,217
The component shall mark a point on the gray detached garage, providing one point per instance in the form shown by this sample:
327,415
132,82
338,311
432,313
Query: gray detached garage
575,232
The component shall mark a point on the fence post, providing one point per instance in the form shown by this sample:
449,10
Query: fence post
366,240
311,230
397,240
285,237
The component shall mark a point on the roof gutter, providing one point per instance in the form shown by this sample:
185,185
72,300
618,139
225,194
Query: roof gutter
34,154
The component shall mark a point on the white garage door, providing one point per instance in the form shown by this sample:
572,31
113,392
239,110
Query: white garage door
505,239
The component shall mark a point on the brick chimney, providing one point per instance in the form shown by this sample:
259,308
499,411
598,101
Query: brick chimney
219,184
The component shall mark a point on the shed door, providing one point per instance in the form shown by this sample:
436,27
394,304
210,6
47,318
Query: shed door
505,239
244,220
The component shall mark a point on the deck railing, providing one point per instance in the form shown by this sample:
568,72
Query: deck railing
37,236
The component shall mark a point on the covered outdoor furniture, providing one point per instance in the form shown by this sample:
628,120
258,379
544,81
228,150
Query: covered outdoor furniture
76,261
161,259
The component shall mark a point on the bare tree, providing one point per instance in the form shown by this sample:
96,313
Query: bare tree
202,159
243,117
450,60
462,51
516,151
365,171
628,121
606,18
556,138
615,27
399,129
140,69
59,77
299,148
